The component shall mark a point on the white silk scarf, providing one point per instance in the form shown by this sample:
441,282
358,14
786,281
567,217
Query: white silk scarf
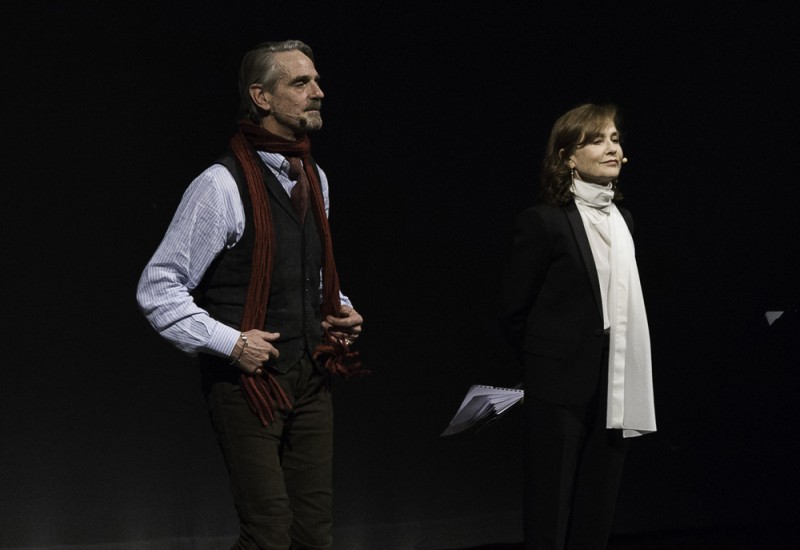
631,406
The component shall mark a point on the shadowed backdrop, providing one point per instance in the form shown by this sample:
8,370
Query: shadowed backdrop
436,118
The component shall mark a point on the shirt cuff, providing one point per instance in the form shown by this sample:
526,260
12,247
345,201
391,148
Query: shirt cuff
222,340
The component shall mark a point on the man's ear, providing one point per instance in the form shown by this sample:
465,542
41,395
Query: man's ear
260,96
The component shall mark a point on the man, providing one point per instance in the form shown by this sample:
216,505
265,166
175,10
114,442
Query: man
245,280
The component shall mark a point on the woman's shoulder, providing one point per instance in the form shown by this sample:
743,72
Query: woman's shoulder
545,210
626,215
622,209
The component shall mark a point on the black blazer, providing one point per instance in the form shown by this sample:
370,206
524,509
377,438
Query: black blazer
551,307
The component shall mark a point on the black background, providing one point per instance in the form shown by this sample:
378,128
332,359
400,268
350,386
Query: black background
436,116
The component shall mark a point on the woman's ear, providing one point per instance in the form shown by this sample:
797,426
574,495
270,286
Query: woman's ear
570,162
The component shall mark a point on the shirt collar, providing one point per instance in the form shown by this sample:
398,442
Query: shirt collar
276,162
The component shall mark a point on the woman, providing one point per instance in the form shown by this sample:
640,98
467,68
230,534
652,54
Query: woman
574,313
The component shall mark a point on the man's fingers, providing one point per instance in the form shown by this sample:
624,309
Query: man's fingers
350,321
264,335
265,353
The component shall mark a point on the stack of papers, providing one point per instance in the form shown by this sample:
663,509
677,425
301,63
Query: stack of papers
482,405
772,316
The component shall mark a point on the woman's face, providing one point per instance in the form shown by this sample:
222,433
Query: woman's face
600,159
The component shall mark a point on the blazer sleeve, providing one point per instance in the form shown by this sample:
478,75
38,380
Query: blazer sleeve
525,272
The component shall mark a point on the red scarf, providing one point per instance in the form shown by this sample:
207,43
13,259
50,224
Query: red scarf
263,393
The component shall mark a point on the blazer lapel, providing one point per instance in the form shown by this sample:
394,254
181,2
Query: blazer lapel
585,248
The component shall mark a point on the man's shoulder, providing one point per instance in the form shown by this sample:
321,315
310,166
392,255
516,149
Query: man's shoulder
218,169
216,179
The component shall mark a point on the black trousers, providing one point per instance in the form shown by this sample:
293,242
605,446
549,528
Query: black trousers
573,469
280,475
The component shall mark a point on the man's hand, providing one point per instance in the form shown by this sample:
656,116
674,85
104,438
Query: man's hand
346,325
259,349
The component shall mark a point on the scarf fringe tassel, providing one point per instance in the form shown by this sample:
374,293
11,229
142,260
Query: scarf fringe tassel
337,358
265,396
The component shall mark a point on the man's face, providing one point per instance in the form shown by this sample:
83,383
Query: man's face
296,100
599,160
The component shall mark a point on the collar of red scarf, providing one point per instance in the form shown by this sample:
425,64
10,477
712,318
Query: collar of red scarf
264,140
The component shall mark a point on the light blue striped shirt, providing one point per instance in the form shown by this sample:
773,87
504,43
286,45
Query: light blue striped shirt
209,219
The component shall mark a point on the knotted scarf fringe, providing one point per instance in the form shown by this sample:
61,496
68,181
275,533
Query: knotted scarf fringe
264,395
337,358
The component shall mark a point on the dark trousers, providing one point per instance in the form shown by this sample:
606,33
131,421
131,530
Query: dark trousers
573,469
280,475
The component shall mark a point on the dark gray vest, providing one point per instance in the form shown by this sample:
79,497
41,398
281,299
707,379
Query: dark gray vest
293,309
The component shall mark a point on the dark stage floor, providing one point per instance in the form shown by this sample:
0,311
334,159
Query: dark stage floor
770,537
